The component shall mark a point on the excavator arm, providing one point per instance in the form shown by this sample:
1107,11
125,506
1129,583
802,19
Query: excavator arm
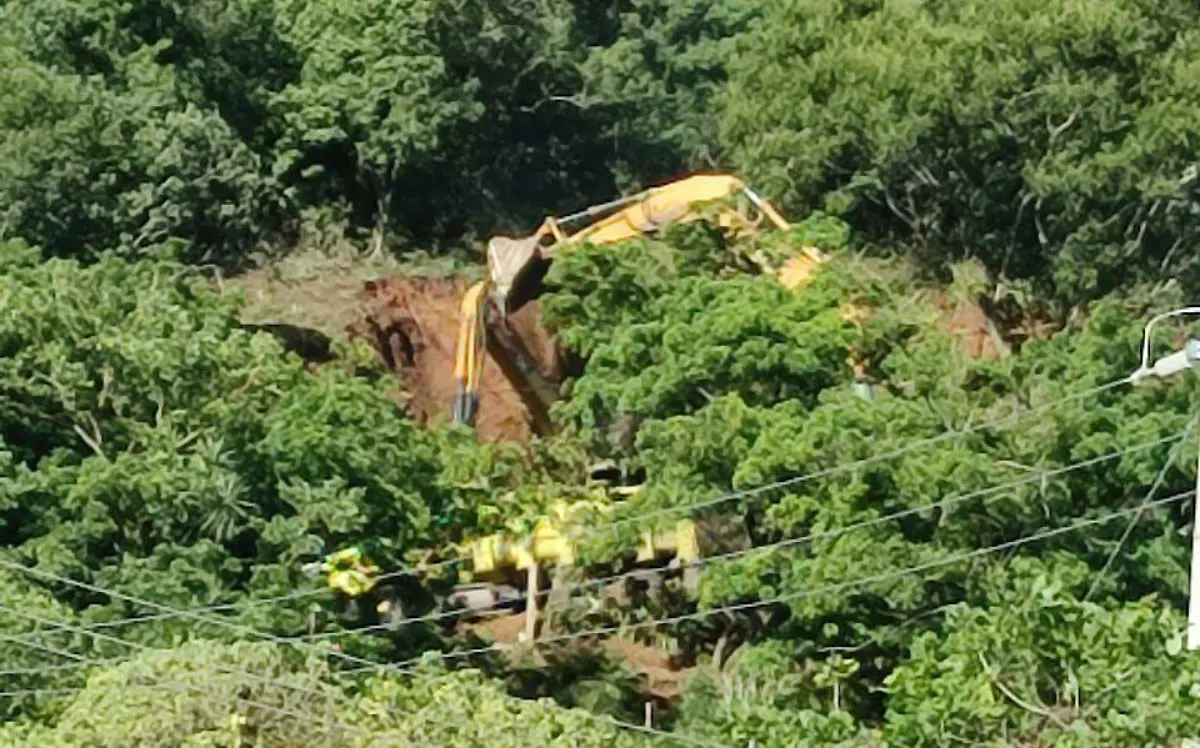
468,357
482,328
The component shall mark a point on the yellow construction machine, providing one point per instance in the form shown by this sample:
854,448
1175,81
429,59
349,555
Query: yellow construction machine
507,570
516,268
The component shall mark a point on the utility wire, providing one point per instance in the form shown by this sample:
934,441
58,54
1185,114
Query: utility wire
247,631
1158,481
408,665
79,664
679,738
41,692
740,494
34,645
882,577
67,627
1036,477
879,457
241,630
383,669
241,674
823,473
170,613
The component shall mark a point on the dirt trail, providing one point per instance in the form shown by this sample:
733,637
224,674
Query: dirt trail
413,322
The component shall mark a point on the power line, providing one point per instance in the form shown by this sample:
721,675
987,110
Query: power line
679,738
1154,486
823,473
33,645
215,621
882,577
879,457
1036,477
242,675
240,605
79,664
244,630
279,640
144,648
172,613
41,692
838,587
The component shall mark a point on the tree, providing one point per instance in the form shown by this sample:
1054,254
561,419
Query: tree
373,102
1047,139
654,81
1038,666
161,449
234,694
86,168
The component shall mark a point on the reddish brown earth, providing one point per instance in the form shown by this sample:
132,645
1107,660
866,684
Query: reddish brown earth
413,322
970,323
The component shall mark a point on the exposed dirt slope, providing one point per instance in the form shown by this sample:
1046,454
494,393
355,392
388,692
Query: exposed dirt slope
411,317
309,291
414,323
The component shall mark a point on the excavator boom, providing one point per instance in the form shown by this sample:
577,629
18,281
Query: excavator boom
510,261
515,268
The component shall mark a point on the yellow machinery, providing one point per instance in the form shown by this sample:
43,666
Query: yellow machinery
500,563
552,543
347,571
516,267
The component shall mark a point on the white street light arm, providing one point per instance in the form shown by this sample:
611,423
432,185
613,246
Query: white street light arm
1186,358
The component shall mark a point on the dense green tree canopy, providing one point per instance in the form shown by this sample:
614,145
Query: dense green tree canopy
1051,140
922,575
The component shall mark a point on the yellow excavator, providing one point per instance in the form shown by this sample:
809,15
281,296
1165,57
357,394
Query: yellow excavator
503,571
516,268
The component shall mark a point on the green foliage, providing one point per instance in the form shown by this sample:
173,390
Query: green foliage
225,695
1048,139
203,694
1042,667
373,93
23,638
654,79
763,694
1051,141
665,337
150,443
732,384
86,167
158,448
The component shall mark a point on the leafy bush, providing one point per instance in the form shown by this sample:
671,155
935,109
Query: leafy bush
86,167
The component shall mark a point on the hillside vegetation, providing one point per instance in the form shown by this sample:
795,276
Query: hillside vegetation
949,550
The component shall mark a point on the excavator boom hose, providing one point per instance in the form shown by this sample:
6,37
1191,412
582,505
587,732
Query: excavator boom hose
468,358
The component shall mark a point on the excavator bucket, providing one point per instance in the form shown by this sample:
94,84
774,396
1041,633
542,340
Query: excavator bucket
508,262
